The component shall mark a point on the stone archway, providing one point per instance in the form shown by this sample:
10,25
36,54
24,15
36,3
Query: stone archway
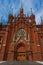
20,52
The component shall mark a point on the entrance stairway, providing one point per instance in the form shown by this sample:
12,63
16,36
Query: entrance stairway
20,63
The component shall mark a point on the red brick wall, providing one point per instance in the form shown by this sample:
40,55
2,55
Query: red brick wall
7,51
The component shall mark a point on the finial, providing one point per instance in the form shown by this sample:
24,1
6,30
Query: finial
1,19
12,9
41,18
31,11
11,12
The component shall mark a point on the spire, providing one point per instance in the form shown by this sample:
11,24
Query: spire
31,10
32,14
21,5
1,20
41,20
11,11
21,9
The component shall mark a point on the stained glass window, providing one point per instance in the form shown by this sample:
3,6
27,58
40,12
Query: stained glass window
21,33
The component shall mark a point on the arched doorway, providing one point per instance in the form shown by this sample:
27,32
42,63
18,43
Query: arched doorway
20,52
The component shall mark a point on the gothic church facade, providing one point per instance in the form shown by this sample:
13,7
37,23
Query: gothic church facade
21,38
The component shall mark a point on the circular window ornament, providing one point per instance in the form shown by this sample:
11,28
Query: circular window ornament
21,33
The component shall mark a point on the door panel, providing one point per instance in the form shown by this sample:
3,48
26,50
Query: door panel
21,58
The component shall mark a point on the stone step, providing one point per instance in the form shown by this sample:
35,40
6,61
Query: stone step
20,63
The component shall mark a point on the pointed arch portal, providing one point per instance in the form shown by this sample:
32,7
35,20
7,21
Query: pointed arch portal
20,51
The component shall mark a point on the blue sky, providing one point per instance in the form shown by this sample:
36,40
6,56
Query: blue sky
7,5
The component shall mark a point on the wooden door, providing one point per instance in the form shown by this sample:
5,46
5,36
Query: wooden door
21,57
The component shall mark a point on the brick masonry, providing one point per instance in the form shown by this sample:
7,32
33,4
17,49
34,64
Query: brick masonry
21,38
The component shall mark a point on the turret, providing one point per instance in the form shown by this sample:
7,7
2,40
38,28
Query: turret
1,21
10,18
1,24
41,23
21,12
32,17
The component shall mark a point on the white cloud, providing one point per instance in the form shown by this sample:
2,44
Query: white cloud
38,16
32,4
6,8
